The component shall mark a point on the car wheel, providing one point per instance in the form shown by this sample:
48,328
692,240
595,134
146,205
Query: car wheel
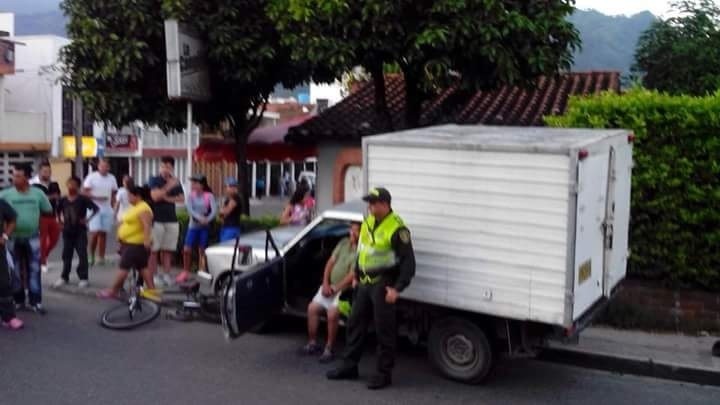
222,281
460,350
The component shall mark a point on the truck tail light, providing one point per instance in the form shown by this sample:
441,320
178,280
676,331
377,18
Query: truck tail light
583,153
631,138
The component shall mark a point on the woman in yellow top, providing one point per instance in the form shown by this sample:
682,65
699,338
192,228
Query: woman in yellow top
135,236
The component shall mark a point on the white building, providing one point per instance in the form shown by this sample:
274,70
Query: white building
34,93
32,113
325,95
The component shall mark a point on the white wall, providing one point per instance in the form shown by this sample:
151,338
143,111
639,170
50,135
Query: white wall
34,88
331,92
7,23
327,155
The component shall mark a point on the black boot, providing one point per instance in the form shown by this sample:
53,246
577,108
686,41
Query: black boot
379,381
344,372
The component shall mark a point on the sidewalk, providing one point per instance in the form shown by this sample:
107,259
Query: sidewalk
99,277
669,356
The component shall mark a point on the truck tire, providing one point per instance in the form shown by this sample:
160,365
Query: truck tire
460,350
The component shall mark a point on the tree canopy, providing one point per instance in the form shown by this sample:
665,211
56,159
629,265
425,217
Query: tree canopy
480,43
681,54
116,62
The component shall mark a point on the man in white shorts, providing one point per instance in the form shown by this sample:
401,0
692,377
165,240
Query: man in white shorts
338,276
101,187
165,191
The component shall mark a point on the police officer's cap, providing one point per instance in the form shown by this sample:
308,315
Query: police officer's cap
378,194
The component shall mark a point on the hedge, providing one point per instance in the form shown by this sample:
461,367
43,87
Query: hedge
675,215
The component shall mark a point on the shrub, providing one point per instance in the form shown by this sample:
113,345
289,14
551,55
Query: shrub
675,220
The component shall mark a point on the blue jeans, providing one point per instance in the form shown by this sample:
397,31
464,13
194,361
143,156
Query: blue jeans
26,252
229,233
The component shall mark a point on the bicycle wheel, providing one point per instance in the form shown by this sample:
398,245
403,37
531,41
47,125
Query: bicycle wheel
120,316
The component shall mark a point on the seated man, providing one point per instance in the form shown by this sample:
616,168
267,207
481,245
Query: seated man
338,276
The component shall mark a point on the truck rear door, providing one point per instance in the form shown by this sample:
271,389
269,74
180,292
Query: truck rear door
617,216
590,233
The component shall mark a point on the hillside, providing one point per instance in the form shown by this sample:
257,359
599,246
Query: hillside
51,22
608,41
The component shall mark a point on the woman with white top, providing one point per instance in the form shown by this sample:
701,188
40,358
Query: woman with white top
122,201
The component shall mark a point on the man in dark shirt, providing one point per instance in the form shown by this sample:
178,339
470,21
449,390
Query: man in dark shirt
231,210
72,212
49,228
7,304
165,192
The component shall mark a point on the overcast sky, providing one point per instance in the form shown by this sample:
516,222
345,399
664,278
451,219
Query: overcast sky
627,7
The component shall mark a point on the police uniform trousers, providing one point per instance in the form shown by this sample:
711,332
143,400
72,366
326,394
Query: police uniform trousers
368,305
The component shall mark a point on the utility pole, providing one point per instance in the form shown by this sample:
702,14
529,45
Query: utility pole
78,132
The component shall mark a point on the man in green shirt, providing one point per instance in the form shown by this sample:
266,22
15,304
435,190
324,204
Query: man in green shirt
28,202
338,276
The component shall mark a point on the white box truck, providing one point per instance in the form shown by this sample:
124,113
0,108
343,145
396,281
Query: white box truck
520,235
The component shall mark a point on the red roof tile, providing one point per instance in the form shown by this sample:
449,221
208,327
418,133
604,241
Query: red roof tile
355,116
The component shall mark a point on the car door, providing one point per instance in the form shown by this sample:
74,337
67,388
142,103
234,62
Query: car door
252,297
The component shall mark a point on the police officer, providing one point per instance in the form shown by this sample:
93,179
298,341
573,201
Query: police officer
386,264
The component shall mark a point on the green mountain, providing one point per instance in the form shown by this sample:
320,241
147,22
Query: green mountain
608,42
49,22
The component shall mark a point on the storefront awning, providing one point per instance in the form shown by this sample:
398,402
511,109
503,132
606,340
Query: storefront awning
266,143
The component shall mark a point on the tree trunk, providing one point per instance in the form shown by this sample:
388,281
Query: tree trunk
381,105
413,99
244,186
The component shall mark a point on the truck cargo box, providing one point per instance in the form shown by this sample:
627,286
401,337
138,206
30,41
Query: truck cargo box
519,223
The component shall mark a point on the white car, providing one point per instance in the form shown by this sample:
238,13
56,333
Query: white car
325,230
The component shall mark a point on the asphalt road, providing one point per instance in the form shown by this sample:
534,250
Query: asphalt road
67,358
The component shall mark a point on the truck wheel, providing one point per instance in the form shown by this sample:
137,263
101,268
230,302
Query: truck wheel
460,350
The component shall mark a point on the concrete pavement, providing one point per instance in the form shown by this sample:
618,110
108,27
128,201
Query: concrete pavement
661,355
65,357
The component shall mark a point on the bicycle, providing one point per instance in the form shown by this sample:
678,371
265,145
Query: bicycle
135,312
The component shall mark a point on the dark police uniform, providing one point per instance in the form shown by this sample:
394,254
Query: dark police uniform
385,259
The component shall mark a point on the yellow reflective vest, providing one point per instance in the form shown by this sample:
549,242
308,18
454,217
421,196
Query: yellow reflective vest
375,251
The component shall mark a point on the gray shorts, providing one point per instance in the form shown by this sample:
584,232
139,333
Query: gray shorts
165,236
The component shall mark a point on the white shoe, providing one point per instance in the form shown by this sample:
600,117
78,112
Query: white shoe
158,280
44,268
59,283
83,284
168,279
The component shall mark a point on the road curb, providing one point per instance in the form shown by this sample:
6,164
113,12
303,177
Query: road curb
646,367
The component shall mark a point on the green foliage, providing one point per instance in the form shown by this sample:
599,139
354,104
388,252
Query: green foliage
681,55
484,42
675,219
116,62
